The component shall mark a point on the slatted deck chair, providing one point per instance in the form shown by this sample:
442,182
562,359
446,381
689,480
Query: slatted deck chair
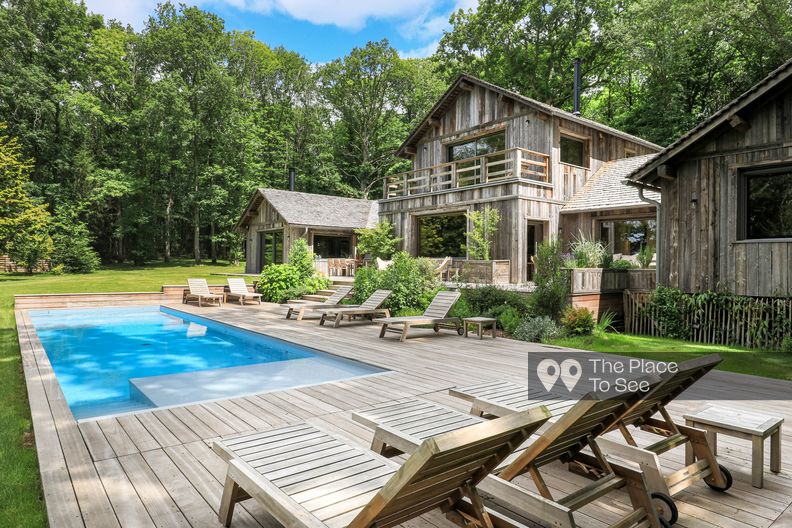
199,291
306,477
400,427
499,398
442,269
238,288
503,398
330,302
435,315
371,307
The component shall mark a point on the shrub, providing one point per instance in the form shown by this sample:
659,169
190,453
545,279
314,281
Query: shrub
72,244
487,300
484,226
378,241
537,330
30,247
786,345
668,309
645,256
552,281
605,322
588,253
578,321
276,280
302,258
622,264
411,280
509,319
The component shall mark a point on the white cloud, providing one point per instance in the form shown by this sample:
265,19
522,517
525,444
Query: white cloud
421,52
133,12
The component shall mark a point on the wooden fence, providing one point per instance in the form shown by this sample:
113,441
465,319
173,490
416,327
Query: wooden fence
749,322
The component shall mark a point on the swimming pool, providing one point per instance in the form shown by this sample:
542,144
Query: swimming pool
115,360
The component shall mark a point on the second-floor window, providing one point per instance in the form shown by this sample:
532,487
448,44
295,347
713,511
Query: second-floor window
573,151
477,147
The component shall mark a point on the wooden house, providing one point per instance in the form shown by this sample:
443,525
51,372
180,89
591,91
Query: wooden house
274,219
482,145
726,185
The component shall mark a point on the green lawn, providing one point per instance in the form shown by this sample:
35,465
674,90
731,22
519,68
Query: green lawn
735,359
19,482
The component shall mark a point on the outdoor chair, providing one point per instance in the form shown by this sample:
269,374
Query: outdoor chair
306,477
371,307
199,291
238,288
436,314
302,307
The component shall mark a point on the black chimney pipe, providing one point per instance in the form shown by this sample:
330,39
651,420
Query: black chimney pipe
576,96
292,177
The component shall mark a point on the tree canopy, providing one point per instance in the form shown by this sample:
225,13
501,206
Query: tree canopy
153,140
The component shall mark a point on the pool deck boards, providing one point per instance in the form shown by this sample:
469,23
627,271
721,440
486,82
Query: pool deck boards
156,469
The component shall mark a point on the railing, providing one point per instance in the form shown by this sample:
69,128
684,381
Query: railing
470,171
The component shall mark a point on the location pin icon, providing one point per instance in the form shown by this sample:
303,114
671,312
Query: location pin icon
548,372
570,373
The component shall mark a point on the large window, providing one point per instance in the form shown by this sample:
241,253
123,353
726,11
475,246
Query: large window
477,147
768,204
627,237
271,247
332,246
442,236
573,151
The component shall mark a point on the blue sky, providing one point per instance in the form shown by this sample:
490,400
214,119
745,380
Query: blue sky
320,30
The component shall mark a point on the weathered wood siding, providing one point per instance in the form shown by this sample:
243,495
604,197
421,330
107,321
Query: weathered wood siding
701,250
481,111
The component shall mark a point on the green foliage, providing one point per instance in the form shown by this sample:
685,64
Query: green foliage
578,321
605,323
539,329
588,253
786,345
378,241
509,319
488,301
552,281
645,256
276,280
668,307
302,259
622,264
411,280
484,226
72,241
29,248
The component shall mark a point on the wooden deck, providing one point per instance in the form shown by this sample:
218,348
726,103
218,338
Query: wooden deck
156,468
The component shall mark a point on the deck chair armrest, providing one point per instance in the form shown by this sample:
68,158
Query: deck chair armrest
502,495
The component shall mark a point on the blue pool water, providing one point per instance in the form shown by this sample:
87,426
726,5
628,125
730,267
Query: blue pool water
111,360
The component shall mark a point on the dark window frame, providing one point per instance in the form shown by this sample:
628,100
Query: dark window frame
418,239
475,140
583,150
744,212
276,257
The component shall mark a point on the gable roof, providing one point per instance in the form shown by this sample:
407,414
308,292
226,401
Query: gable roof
465,79
757,94
313,210
608,188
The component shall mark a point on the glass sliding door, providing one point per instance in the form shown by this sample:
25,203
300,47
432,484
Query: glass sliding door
270,248
441,236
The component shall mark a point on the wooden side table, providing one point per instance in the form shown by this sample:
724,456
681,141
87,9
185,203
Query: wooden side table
481,323
741,424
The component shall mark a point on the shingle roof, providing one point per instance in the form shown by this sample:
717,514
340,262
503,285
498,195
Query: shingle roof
753,95
455,88
608,189
315,210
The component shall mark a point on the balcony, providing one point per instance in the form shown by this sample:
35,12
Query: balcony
489,168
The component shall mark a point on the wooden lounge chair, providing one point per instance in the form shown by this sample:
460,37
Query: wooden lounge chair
436,315
238,288
371,307
199,291
502,398
442,269
306,477
400,427
333,300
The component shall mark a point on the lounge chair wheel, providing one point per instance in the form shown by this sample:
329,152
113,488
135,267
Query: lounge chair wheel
436,328
460,331
666,508
664,523
726,475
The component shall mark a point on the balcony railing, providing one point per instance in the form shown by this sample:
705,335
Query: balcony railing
501,165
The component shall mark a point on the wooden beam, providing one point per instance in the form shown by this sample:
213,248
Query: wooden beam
432,122
466,86
410,151
738,123
666,172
